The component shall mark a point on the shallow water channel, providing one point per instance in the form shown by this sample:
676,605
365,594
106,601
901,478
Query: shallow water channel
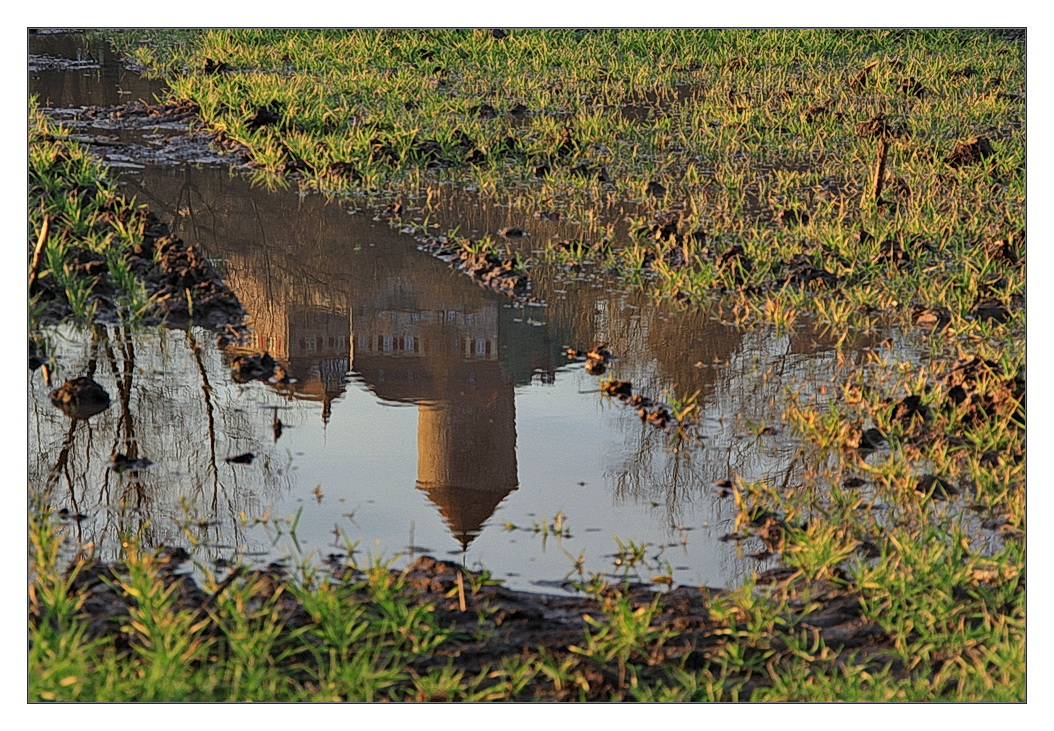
426,414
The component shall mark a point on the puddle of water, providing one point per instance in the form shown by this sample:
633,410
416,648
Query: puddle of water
426,414
96,77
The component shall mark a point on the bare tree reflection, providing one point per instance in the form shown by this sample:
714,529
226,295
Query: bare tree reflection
159,415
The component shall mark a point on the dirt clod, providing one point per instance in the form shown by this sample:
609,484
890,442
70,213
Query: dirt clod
246,458
655,189
969,152
256,367
123,463
931,317
80,398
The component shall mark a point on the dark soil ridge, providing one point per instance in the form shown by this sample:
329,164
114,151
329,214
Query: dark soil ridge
488,270
491,623
183,286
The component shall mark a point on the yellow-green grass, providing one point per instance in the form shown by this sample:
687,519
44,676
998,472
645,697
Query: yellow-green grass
75,206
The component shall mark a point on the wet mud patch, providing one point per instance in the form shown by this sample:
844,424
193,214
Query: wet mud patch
489,270
141,138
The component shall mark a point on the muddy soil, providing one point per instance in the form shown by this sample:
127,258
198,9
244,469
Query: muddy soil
184,287
137,134
516,624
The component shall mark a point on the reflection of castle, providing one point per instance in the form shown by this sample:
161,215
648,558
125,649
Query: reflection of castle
446,361
330,294
310,336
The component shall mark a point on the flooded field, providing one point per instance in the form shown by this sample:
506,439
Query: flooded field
479,365
422,413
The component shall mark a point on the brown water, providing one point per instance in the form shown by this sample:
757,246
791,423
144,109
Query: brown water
427,415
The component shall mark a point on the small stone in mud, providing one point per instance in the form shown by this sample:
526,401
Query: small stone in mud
965,72
937,487
866,439
911,408
877,127
933,317
344,171
1002,249
637,401
660,417
586,171
66,514
266,115
246,458
293,166
655,189
791,217
619,389
513,232
893,252
816,110
80,398
597,358
801,271
123,463
213,67
970,152
174,555
257,367
991,310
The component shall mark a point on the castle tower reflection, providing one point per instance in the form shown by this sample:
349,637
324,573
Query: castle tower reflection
446,361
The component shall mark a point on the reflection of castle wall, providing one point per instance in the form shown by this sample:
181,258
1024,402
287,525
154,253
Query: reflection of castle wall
304,329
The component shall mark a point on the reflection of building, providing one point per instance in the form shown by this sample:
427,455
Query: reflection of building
466,459
307,334
330,294
473,335
446,361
